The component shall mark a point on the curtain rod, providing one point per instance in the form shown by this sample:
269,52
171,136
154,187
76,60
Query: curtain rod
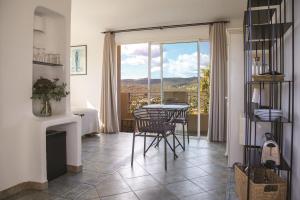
164,27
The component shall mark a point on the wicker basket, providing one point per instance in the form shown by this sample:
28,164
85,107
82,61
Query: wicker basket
268,77
274,190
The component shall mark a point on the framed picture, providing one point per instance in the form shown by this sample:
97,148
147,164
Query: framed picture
78,62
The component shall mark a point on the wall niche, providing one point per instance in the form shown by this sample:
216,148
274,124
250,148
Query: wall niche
49,59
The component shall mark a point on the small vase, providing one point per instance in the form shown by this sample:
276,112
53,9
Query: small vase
46,110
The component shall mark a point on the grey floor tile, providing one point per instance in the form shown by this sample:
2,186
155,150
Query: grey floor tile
131,172
91,194
192,172
124,196
169,177
143,182
184,188
155,194
199,173
202,196
208,183
77,191
112,188
34,195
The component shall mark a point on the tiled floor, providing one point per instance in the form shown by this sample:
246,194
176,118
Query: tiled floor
200,173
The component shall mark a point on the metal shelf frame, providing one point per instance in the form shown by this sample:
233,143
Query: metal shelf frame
266,24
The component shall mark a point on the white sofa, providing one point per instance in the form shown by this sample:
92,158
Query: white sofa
89,120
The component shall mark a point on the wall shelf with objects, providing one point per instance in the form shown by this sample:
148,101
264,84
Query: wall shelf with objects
49,55
46,64
268,98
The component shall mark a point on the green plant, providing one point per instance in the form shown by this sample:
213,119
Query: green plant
45,90
204,90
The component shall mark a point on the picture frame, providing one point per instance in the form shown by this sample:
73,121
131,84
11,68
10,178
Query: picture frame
78,60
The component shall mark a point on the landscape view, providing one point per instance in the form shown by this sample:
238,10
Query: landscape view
173,81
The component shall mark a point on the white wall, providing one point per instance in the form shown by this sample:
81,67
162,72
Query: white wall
19,138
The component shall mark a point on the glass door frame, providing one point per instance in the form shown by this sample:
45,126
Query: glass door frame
161,73
198,41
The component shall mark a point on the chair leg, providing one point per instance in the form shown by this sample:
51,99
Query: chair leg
183,133
132,153
157,144
188,135
165,139
174,147
144,144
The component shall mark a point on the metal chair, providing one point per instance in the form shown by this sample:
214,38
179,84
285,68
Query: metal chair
154,123
180,117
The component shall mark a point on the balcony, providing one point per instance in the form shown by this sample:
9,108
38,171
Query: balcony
132,100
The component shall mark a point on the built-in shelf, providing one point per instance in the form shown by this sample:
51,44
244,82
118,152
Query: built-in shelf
49,33
263,3
46,64
268,82
256,152
259,45
279,120
259,16
269,31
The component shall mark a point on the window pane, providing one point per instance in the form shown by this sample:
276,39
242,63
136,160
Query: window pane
204,86
180,79
134,80
155,73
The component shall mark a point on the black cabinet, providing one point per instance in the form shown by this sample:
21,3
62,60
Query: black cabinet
56,154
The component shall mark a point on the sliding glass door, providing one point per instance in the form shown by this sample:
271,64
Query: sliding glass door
166,73
181,79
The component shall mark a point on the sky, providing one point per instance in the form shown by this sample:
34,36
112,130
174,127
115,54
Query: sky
179,60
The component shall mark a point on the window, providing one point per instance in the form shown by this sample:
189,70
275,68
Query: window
166,73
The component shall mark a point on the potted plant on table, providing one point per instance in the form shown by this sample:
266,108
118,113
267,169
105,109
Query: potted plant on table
46,90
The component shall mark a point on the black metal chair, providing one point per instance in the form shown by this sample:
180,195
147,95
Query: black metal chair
154,123
180,117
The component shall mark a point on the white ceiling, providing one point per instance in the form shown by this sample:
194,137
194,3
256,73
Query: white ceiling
118,14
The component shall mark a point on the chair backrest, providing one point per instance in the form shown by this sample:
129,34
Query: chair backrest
151,120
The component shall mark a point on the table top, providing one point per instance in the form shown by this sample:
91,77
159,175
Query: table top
166,106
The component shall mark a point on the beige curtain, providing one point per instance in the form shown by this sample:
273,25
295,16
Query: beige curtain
108,96
217,103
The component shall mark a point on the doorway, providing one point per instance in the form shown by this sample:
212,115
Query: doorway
160,73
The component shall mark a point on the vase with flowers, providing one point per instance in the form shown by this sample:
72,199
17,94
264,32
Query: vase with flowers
45,90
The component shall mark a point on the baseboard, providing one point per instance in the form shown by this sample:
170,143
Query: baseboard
74,169
21,187
33,185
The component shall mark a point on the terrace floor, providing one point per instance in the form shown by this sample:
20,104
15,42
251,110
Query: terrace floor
199,173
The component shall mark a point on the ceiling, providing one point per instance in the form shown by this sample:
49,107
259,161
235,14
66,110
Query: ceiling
118,14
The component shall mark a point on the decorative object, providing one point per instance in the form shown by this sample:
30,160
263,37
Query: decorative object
264,184
46,90
78,60
268,114
259,97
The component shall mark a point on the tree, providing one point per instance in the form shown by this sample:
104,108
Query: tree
204,90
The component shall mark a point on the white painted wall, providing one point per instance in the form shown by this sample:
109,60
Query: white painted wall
20,138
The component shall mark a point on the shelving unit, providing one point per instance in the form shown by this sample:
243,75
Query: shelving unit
266,25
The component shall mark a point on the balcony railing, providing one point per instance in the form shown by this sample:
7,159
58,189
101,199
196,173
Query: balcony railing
132,100
138,99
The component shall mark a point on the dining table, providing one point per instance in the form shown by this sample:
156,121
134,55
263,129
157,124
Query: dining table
175,109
